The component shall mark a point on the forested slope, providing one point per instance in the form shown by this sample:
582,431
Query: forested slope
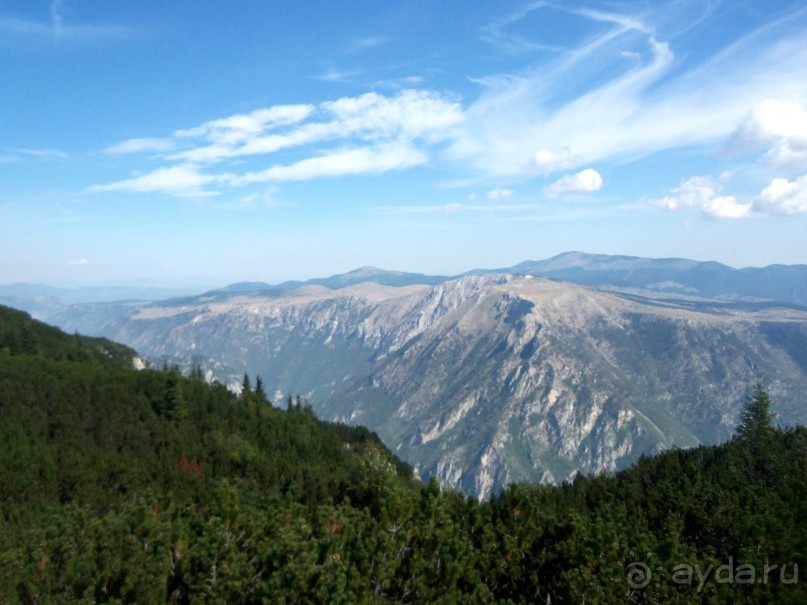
146,486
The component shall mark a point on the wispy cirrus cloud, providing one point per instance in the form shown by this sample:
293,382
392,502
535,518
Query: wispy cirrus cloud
343,162
363,44
56,31
236,129
618,93
184,180
367,134
625,91
44,154
56,7
22,154
141,145
497,32
332,74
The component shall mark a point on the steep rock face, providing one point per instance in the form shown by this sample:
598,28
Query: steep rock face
486,380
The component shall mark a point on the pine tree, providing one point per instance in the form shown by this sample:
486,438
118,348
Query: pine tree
259,390
756,420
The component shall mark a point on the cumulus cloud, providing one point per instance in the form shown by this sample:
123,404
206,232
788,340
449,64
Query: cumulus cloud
783,197
777,126
496,195
780,197
585,181
703,193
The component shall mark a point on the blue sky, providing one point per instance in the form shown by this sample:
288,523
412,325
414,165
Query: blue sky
203,143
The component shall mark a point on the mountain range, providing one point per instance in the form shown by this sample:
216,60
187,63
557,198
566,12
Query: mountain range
122,484
498,376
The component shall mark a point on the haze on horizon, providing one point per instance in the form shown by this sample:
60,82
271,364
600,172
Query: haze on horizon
197,143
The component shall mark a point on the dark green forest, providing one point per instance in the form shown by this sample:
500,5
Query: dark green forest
126,486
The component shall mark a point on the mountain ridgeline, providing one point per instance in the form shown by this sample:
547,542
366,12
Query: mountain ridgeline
490,378
144,486
674,276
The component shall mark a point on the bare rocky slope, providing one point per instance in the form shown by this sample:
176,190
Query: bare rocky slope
489,379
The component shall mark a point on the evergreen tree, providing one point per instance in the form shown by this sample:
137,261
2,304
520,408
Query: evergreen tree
259,390
119,486
756,420
246,385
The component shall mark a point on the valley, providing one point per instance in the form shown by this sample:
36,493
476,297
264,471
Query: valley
486,379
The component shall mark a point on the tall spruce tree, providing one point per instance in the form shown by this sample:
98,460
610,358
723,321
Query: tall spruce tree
756,420
259,389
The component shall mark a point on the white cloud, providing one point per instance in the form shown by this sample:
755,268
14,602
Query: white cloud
770,121
371,133
241,127
399,83
78,262
22,31
141,145
335,75
411,114
182,180
618,94
703,193
339,163
780,127
585,181
56,17
780,197
43,154
549,161
362,44
499,194
496,33
623,93
783,197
